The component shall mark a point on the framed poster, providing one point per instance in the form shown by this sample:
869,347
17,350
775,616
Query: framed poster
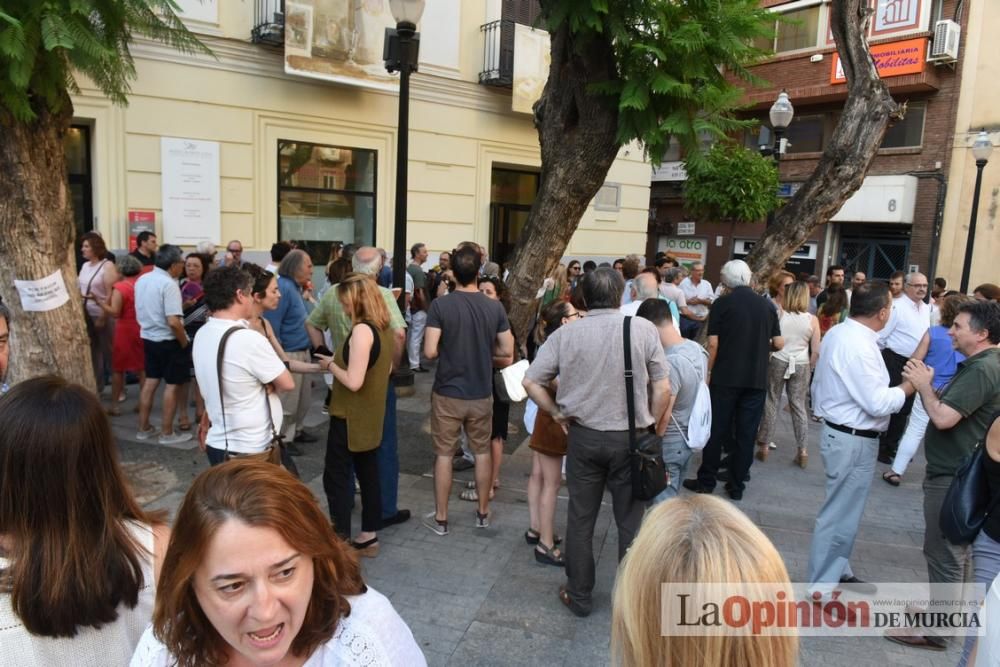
189,172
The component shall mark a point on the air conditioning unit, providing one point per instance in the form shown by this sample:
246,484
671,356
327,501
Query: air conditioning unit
944,46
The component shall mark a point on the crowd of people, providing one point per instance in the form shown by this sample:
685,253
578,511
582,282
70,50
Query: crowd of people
253,571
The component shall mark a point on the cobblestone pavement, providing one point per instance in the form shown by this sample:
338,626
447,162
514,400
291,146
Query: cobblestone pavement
478,597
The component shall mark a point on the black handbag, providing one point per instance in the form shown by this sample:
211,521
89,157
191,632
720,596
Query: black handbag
649,473
967,502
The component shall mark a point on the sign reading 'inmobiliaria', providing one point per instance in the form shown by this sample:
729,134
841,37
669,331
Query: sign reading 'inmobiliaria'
893,59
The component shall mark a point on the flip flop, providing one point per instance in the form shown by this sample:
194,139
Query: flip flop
889,477
184,427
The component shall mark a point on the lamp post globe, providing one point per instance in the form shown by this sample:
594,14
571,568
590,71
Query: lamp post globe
407,11
782,111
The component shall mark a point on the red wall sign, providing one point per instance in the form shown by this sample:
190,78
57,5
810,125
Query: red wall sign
894,59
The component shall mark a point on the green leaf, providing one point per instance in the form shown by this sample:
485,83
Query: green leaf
55,34
634,96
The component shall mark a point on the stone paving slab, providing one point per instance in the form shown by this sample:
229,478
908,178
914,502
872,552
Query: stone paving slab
477,597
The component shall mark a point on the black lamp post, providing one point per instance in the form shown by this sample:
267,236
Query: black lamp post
981,150
781,115
401,51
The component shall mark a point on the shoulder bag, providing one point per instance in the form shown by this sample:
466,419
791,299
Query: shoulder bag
275,452
649,474
967,502
507,382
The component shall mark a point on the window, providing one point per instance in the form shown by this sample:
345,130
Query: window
909,132
797,29
325,194
608,198
805,134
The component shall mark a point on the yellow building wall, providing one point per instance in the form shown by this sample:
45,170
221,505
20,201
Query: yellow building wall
459,130
978,104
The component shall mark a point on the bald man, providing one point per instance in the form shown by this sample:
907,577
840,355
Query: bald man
644,286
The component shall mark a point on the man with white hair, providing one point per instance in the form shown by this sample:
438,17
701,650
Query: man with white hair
742,329
206,248
644,286
329,315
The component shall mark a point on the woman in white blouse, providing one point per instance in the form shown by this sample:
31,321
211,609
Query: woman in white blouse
256,576
97,275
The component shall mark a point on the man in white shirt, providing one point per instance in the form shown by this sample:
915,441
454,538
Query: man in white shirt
908,322
249,365
691,322
851,393
699,296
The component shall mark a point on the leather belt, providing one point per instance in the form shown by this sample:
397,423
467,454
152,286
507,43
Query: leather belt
853,431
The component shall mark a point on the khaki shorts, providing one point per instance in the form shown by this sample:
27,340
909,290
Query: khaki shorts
449,415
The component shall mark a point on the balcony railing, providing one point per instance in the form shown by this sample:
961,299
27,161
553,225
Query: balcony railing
498,53
269,22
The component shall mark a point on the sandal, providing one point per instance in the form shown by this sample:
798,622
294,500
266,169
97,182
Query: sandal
801,458
531,536
892,478
549,555
367,549
184,426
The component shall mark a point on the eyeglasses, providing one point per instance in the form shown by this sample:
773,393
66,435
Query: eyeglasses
572,315
574,268
923,286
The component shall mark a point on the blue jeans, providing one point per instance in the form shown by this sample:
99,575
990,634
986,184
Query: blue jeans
676,456
388,458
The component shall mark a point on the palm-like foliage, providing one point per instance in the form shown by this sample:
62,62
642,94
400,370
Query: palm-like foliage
44,43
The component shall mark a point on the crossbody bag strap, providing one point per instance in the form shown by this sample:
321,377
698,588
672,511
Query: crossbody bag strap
629,384
91,281
218,369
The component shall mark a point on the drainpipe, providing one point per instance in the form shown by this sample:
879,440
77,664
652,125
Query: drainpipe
938,220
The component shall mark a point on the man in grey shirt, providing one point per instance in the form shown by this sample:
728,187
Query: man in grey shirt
588,357
688,364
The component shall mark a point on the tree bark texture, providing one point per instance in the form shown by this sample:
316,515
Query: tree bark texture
577,133
36,240
846,160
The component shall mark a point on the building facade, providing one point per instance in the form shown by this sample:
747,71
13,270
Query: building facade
890,223
290,132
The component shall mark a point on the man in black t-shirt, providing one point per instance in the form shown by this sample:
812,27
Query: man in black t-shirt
742,329
469,334
145,250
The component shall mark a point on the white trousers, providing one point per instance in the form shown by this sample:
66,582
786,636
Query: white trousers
912,437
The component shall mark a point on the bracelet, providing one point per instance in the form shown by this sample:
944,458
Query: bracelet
288,365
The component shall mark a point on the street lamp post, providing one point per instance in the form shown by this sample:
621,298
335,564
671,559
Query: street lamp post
781,115
401,52
981,150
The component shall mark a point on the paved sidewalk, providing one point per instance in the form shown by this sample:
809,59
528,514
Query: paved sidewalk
478,596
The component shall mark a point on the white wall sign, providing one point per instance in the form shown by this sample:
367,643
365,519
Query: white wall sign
685,229
670,171
890,198
38,296
199,10
190,183
532,55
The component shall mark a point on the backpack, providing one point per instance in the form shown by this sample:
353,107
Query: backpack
700,423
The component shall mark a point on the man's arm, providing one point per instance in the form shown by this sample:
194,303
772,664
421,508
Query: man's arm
713,350
432,336
503,352
176,325
660,402
921,376
283,382
315,335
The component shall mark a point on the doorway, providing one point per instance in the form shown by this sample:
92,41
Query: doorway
78,169
877,251
512,193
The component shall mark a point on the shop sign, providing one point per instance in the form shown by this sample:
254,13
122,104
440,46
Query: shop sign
687,250
685,229
893,59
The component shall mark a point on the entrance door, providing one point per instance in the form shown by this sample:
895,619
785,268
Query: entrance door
77,146
511,196
877,252
506,224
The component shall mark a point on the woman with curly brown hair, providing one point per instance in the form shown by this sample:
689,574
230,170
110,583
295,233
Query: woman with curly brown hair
256,576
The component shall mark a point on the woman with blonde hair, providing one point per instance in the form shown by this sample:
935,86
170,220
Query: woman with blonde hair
361,369
554,287
689,540
789,370
256,576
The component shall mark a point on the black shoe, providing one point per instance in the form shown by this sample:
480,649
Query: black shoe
852,583
293,449
734,494
695,485
420,369
461,463
727,476
402,516
885,458
304,437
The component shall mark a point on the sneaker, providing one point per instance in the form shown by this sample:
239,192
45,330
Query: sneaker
772,445
146,435
437,527
173,438
482,520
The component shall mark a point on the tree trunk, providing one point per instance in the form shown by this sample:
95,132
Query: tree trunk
36,240
577,133
842,169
